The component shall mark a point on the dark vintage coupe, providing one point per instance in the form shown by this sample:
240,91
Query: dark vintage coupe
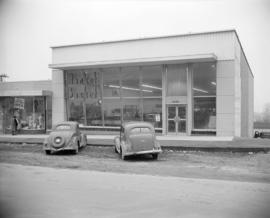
137,138
65,136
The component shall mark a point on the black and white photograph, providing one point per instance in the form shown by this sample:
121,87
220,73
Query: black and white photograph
134,108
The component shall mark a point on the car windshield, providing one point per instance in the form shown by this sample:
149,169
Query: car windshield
63,127
137,130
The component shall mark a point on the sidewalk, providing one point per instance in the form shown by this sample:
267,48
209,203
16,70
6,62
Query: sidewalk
203,143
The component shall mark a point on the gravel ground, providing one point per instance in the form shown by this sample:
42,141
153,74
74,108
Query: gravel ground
252,167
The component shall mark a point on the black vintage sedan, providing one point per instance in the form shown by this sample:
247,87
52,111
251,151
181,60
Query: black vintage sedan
137,138
65,136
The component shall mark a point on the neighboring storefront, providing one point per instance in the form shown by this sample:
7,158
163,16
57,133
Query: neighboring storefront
31,105
185,85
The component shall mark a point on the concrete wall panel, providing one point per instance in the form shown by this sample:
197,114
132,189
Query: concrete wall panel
26,85
225,86
220,44
225,98
58,101
225,69
225,104
225,124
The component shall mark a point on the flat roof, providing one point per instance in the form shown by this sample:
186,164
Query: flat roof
145,38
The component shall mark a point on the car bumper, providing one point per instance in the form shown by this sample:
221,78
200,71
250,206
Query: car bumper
65,147
153,151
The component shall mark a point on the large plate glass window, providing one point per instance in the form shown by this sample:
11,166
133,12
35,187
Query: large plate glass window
204,95
151,86
83,93
111,102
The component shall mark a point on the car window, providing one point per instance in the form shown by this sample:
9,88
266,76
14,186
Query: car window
63,127
137,130
145,130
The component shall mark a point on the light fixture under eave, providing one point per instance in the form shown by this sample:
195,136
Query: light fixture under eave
214,83
144,90
150,86
200,90
129,88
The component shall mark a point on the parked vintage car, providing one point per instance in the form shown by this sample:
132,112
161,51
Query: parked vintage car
137,138
65,136
264,133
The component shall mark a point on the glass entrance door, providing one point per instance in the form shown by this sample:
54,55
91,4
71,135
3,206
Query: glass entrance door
176,119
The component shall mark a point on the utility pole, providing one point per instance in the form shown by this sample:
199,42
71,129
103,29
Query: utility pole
2,77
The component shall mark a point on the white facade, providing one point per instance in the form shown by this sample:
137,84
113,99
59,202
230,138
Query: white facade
234,79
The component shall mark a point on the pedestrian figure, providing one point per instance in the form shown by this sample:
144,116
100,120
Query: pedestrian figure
14,125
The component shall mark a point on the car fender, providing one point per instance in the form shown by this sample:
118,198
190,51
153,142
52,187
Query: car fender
124,147
83,140
117,143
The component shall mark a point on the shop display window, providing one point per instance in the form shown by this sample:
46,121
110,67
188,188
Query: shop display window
130,77
83,94
111,82
112,112
204,95
151,81
30,112
152,111
124,91
132,109
205,113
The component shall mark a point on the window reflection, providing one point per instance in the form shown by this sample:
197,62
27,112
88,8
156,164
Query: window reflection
130,82
176,80
132,109
83,93
93,114
204,79
204,84
112,112
152,111
111,82
151,81
134,92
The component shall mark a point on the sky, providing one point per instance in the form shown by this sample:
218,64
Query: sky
28,28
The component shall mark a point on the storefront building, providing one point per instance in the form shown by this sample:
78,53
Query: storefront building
194,84
30,102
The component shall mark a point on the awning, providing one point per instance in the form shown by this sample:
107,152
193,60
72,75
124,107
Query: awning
138,61
10,93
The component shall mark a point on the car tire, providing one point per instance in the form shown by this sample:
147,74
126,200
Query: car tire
123,157
77,148
48,152
155,156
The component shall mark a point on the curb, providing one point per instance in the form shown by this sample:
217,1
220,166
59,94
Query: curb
213,146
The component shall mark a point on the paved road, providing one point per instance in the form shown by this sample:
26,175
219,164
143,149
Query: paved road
39,192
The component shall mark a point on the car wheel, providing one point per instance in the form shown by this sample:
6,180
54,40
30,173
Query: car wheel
155,156
121,154
76,149
123,157
48,152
